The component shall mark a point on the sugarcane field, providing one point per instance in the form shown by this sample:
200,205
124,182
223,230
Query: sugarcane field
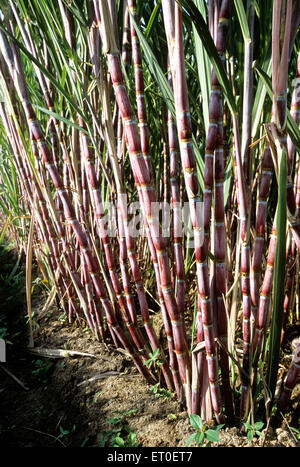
149,226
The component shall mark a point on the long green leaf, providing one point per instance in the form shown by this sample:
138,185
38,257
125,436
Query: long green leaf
239,6
204,68
57,85
208,43
292,127
60,118
152,18
5,227
279,274
261,91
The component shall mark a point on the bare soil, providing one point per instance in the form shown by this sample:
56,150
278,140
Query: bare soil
61,406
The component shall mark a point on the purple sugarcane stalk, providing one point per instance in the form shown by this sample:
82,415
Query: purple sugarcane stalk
148,197
291,380
69,212
173,26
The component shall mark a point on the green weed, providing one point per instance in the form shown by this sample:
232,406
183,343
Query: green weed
158,391
204,434
253,430
120,434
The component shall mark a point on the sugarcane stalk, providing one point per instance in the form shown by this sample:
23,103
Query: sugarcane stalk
139,87
289,292
142,176
33,189
145,148
294,204
173,14
261,212
291,381
53,130
176,207
93,269
219,235
124,227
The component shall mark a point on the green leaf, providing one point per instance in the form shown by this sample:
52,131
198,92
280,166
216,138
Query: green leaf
152,18
219,427
119,441
204,68
5,227
132,437
239,6
208,43
212,435
77,12
279,273
196,421
171,416
292,128
250,436
60,118
259,103
191,439
258,425
114,420
199,437
44,70
227,180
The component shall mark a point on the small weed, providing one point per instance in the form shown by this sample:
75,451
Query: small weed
64,435
160,392
38,410
41,370
41,367
33,318
96,396
253,430
38,282
153,359
171,416
63,317
204,434
84,442
120,435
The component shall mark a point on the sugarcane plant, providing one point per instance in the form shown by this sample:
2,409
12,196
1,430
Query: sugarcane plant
149,160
